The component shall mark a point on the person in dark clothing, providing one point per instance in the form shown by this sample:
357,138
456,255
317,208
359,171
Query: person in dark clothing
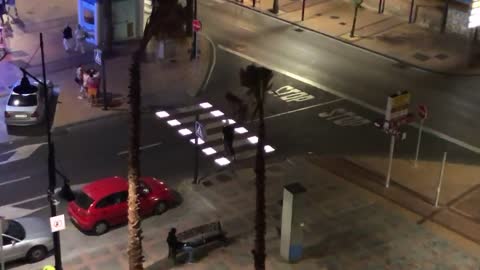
174,245
228,137
67,38
2,10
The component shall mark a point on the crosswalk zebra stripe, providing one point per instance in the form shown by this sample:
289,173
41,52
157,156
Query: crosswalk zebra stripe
236,144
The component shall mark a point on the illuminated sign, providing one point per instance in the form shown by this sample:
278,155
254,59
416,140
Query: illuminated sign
474,18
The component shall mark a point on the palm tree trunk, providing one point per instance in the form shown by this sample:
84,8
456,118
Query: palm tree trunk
259,251
135,253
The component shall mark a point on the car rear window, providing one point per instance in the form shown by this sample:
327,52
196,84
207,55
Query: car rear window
15,229
23,100
83,200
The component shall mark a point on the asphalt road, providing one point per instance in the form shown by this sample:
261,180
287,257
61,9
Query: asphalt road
301,117
452,101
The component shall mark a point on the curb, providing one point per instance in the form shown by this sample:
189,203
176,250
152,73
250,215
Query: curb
389,57
59,130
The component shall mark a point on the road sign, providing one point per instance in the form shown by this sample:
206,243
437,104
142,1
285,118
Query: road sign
57,223
200,131
98,56
397,106
422,111
197,25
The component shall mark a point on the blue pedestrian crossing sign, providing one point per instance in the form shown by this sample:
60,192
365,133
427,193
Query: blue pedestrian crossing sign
200,131
98,56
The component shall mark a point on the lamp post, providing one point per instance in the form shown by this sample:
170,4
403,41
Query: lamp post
194,45
52,182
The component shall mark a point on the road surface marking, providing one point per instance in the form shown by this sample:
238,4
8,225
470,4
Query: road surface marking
140,148
22,152
344,118
357,101
214,61
289,93
14,180
305,108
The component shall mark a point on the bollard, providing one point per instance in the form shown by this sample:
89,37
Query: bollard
440,180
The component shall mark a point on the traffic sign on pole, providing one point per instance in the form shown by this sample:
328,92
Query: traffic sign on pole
57,223
98,56
422,111
197,25
200,131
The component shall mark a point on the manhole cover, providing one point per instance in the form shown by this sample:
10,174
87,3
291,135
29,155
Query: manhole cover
334,17
342,23
441,56
299,30
421,56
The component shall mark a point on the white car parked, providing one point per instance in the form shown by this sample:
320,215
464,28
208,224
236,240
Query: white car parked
26,103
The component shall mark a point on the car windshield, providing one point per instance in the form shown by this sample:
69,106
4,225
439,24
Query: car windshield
82,200
22,100
15,229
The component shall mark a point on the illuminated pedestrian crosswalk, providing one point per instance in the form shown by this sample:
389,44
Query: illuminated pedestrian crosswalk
183,121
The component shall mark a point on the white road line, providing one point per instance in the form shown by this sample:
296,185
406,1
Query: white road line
14,180
140,148
349,98
305,108
214,61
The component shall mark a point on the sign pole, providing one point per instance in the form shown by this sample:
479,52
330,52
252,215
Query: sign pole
195,172
392,147
440,180
418,142
104,84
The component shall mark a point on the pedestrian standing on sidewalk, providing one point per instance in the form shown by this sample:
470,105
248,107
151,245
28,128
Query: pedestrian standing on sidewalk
79,74
174,245
92,87
2,11
67,38
11,5
228,137
80,37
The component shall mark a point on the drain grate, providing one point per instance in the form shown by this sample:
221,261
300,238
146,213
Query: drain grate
334,17
342,23
299,30
421,57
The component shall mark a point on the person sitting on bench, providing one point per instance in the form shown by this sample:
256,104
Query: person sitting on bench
174,245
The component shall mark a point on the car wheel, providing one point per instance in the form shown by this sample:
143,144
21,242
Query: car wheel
100,228
160,208
36,254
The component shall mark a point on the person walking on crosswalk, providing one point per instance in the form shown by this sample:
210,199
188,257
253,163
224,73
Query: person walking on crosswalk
228,137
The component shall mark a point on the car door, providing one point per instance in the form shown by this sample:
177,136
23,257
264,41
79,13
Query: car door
113,208
10,248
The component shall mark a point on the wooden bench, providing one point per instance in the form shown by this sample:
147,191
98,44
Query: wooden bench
203,235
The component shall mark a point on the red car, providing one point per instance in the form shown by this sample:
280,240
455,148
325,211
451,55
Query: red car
103,203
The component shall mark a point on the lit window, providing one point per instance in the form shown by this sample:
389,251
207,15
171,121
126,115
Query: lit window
209,151
217,113
185,131
162,114
253,139
173,122
222,161
241,130
205,105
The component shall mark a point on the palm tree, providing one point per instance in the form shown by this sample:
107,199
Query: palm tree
258,80
167,19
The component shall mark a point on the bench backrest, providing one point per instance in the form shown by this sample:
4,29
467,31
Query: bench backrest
199,231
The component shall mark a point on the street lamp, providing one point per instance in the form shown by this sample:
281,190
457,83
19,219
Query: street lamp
52,182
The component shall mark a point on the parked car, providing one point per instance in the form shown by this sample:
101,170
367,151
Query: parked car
26,237
26,104
103,203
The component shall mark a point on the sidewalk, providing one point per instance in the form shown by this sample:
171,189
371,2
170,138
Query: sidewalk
384,34
346,227
165,82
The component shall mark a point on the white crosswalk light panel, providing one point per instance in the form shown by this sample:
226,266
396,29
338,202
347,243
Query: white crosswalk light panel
174,122
268,149
241,130
185,131
209,151
216,113
230,121
205,105
222,161
162,114
200,141
253,139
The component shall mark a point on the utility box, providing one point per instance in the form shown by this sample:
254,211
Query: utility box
291,242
